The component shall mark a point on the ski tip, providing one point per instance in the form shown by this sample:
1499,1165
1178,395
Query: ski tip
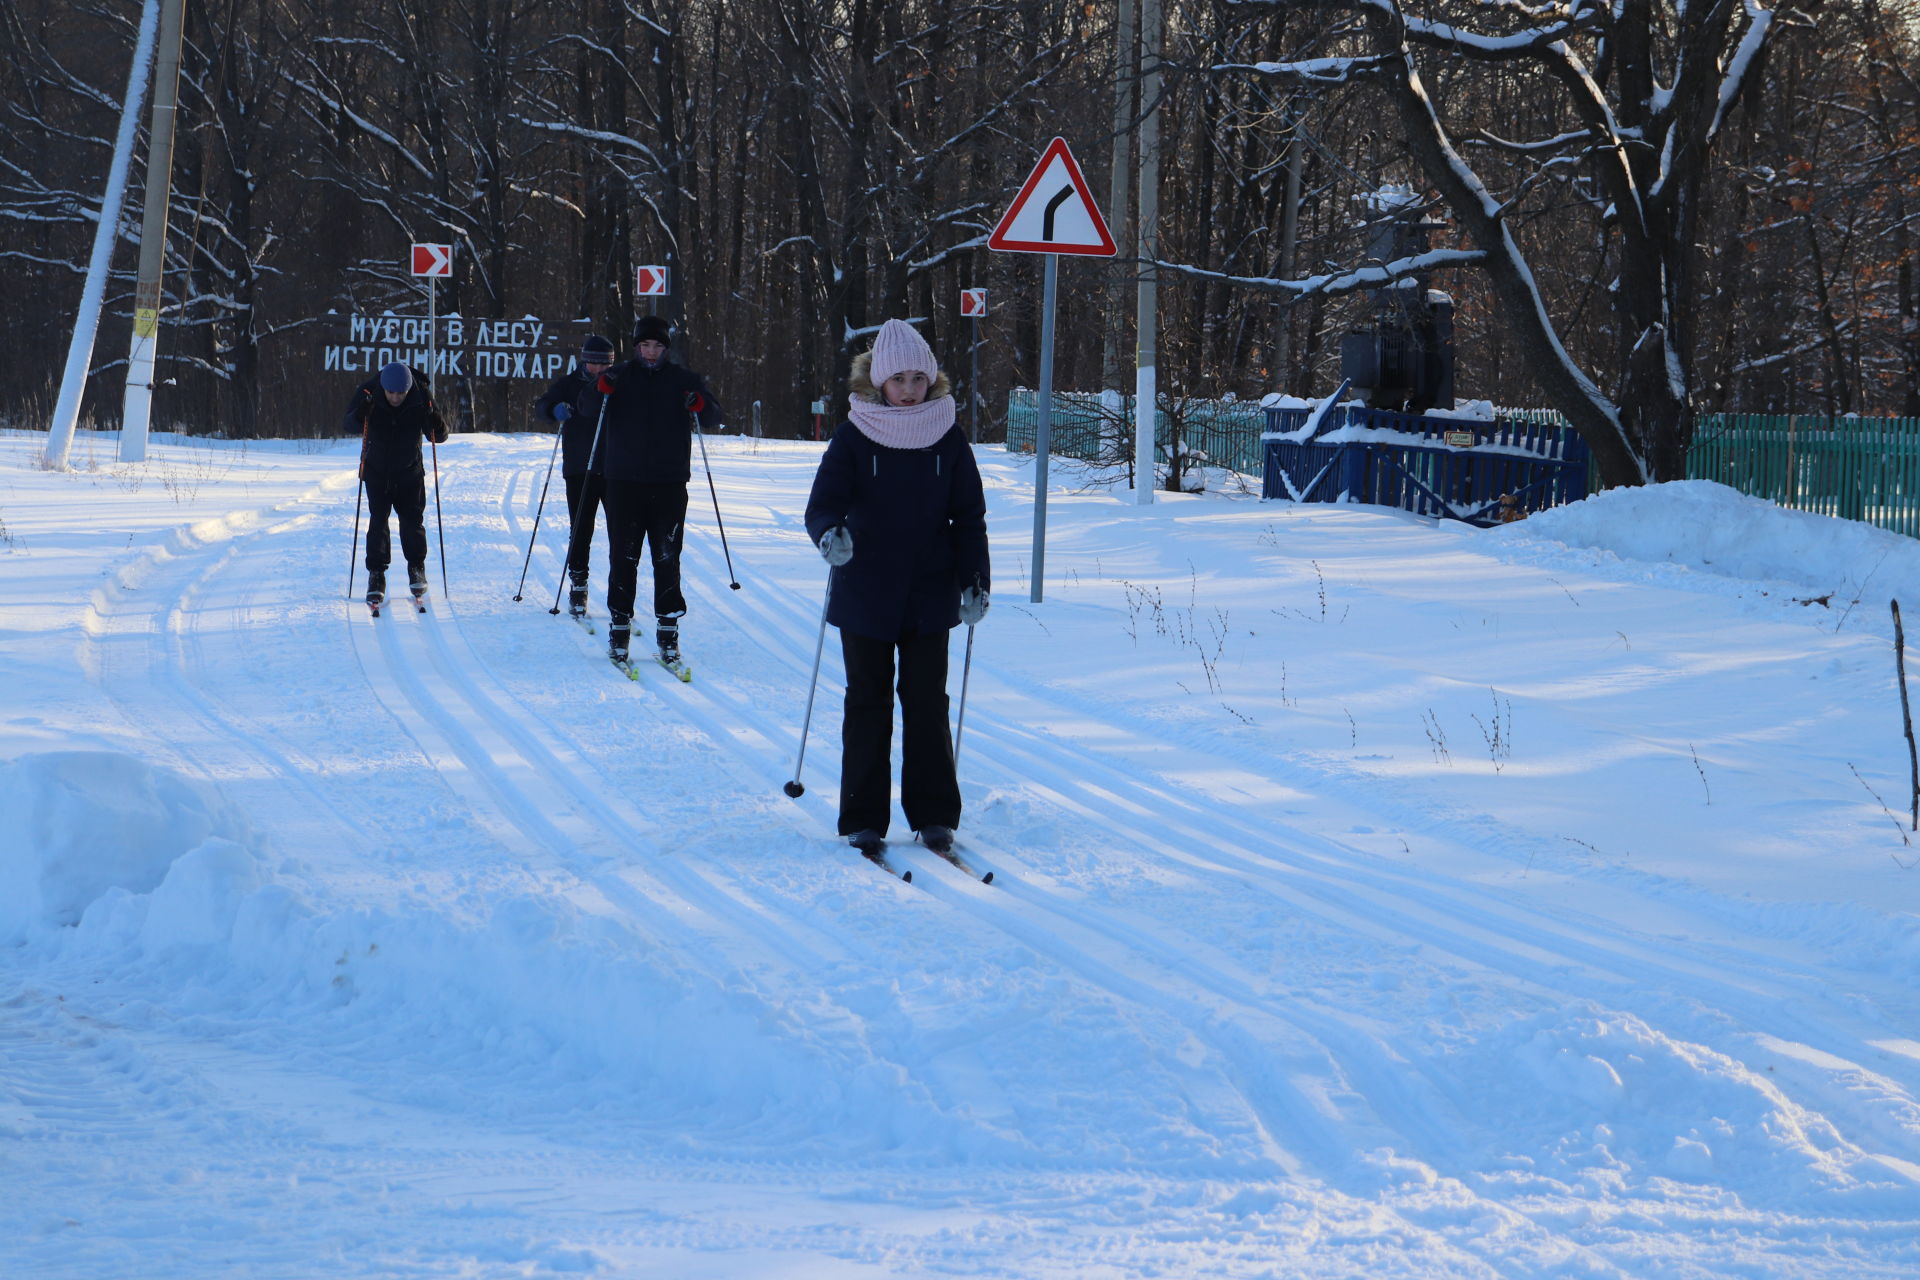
987,878
906,877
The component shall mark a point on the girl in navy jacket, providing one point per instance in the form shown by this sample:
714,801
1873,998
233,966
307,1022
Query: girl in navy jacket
898,510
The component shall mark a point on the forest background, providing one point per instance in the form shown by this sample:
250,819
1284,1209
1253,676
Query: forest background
809,170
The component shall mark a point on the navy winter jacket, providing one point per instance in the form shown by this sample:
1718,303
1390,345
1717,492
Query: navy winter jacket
576,434
919,523
647,438
390,435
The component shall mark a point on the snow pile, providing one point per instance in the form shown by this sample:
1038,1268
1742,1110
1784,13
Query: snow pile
85,823
1708,527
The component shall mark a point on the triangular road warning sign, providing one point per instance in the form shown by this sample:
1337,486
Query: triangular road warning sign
1054,212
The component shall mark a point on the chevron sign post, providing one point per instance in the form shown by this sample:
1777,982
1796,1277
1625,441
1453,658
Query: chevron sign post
1054,213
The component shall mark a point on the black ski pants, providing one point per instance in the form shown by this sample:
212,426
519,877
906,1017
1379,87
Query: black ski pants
646,516
588,492
404,495
929,790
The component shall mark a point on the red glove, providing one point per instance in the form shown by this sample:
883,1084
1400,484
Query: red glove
695,402
605,385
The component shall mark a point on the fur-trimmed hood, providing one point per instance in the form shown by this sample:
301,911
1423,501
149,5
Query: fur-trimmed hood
860,381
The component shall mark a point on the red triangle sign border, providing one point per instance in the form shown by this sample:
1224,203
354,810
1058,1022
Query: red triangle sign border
1000,238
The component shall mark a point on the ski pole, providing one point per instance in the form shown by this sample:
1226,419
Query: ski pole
438,522
694,405
605,388
537,511
794,789
353,555
960,725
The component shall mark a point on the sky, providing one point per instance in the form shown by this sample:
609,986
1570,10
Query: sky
1372,896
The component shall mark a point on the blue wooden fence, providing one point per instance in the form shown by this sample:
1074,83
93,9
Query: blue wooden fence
1455,468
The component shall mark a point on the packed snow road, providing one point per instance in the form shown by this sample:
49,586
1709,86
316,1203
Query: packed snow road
1371,898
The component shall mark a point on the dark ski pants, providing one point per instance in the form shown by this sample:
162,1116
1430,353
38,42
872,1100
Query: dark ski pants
406,496
590,492
650,516
929,791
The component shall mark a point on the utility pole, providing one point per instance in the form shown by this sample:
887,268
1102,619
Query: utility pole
1126,69
1146,398
73,383
137,408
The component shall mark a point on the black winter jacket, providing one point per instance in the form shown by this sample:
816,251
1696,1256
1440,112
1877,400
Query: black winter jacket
390,435
647,438
919,523
576,433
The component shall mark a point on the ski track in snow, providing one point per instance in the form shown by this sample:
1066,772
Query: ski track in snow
929,1065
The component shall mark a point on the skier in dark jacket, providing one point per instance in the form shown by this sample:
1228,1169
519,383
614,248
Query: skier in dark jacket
646,452
573,401
898,510
393,413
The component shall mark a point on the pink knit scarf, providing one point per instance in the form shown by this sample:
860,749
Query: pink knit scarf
912,426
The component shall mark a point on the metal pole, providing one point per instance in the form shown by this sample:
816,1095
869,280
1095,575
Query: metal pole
973,385
794,788
137,405
1146,398
353,553
439,523
960,725
559,430
1043,432
433,331
693,398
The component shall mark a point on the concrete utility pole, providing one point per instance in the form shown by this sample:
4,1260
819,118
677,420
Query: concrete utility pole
73,383
1146,381
1126,68
137,408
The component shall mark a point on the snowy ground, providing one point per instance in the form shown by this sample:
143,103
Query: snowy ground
1374,898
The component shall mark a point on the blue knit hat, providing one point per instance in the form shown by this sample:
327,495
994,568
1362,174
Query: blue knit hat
396,378
596,350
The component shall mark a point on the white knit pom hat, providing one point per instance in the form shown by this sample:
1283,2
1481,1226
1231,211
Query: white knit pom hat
900,348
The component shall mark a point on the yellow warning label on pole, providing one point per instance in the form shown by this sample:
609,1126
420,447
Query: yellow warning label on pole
146,322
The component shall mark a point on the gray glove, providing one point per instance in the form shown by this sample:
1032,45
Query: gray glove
973,606
836,546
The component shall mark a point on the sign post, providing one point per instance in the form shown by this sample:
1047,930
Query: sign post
973,305
433,261
1054,214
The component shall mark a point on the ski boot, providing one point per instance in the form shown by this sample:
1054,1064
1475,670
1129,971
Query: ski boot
938,839
376,590
577,592
667,636
417,583
619,630
869,842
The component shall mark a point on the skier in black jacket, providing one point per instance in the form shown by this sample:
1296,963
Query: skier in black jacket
573,401
393,413
646,450
898,510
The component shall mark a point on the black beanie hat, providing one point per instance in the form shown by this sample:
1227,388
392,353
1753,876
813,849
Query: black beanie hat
653,329
596,350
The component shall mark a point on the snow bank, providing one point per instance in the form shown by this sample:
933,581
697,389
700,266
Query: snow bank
82,823
1708,527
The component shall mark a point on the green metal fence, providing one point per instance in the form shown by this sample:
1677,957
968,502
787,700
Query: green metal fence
1865,469
1095,427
